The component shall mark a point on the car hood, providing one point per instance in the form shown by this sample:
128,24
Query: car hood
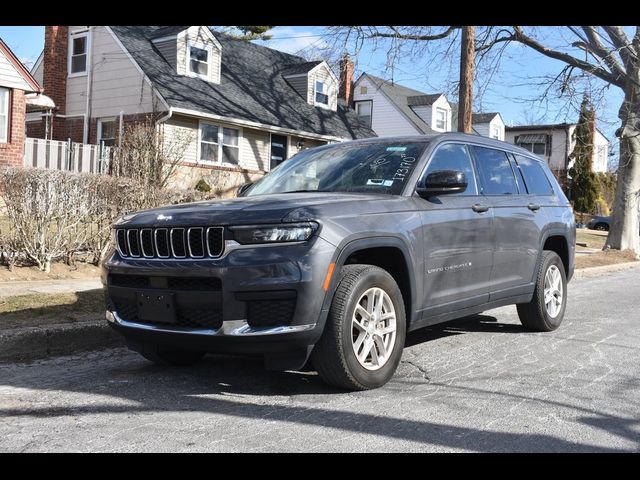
262,209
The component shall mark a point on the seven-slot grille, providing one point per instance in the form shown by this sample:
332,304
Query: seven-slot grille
192,242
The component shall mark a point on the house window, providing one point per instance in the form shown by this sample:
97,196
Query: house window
363,109
4,115
199,61
496,133
219,144
537,148
441,119
107,132
322,93
230,145
78,53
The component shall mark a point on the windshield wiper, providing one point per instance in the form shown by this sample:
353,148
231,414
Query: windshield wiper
305,191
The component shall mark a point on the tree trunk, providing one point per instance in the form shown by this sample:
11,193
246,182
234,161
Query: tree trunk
465,95
624,226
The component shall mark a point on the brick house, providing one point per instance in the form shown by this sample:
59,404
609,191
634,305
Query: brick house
247,107
15,83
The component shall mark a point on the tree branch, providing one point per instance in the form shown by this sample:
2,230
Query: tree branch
521,37
406,36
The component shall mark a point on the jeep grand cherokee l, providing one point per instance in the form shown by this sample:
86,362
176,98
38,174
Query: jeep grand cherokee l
342,249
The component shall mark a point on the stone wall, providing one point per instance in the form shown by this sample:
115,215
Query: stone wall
223,181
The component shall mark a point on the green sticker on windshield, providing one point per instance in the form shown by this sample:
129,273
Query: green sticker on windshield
396,149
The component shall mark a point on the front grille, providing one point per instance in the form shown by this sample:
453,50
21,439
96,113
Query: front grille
270,313
194,242
127,309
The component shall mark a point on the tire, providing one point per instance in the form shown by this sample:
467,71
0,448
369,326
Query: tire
603,227
171,356
334,356
535,315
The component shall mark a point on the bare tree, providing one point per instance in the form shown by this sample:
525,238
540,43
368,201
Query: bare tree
611,54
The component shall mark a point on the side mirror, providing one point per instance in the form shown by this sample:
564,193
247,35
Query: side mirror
243,188
443,182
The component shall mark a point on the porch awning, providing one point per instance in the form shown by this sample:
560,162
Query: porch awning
37,102
532,138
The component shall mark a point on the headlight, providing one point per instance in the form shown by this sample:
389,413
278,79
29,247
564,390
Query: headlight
298,232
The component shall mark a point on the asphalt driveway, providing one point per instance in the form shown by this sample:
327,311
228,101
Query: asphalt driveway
480,384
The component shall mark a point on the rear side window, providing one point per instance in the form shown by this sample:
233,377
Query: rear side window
534,176
495,172
519,178
454,156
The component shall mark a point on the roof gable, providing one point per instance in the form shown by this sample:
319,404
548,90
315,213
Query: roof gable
13,73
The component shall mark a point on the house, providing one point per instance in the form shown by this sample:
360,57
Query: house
15,84
245,107
392,109
555,142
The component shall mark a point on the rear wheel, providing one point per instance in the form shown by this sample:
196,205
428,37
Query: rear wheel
171,356
363,338
603,227
545,311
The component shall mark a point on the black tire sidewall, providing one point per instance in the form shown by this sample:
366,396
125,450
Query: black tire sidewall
370,279
552,258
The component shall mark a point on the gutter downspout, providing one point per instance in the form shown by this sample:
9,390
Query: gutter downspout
120,126
87,114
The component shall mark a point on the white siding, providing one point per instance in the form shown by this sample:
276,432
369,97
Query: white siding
10,77
425,112
486,129
254,144
322,74
386,118
38,73
117,85
168,49
200,36
600,153
299,84
556,158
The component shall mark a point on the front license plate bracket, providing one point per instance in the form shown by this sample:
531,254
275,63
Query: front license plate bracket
156,307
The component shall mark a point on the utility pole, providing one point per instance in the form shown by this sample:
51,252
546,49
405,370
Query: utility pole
465,95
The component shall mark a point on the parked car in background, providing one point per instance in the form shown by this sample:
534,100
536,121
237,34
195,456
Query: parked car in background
340,251
600,223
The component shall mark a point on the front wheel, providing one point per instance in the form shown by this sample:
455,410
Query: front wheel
363,338
545,311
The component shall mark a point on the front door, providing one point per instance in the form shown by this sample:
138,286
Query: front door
458,239
278,150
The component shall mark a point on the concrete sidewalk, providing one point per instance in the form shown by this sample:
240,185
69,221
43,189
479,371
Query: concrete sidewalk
12,289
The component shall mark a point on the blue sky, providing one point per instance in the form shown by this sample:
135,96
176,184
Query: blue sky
506,92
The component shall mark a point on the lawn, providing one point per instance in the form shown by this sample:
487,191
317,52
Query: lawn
593,238
40,309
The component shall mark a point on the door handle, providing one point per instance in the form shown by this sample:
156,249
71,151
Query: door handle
533,206
480,208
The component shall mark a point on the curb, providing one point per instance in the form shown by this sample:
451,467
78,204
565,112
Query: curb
595,271
33,343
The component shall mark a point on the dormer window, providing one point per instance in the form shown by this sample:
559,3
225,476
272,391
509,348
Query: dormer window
441,119
199,61
78,48
322,93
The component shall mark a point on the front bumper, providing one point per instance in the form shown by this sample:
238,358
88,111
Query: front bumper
251,282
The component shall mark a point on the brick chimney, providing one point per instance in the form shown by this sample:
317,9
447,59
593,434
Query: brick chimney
346,79
54,78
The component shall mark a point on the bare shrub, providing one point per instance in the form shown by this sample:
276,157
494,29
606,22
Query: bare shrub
148,153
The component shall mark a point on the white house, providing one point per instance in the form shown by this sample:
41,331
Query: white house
392,109
555,142
245,106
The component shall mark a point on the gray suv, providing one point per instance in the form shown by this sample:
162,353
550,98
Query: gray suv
340,251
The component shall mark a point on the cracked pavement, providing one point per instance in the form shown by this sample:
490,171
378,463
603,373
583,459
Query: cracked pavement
477,384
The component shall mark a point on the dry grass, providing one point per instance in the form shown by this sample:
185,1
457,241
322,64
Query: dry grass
59,271
43,309
593,238
608,257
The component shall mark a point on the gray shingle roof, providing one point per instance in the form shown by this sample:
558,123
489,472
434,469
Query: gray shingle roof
483,117
399,96
425,99
476,118
298,68
251,87
168,31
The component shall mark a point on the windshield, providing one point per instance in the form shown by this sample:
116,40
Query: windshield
380,167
